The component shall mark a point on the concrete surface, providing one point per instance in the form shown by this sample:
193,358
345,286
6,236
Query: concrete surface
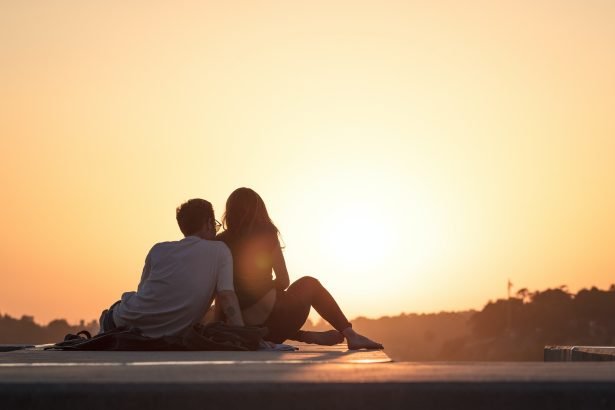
11,347
311,378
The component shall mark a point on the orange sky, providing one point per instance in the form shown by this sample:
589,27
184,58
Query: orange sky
414,155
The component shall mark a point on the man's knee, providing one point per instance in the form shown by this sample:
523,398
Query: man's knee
101,320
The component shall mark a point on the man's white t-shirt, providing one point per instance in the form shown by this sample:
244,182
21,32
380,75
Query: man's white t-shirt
177,286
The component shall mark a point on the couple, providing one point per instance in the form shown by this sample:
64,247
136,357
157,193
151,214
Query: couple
181,279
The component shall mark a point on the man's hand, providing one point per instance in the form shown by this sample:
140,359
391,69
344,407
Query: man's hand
230,307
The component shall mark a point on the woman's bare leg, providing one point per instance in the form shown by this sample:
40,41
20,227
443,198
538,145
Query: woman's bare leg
293,309
326,338
357,341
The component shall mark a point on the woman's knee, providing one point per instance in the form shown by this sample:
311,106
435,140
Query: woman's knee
308,282
302,290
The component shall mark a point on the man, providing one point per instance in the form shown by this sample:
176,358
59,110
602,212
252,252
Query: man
180,280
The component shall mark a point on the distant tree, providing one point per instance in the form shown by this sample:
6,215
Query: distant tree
523,294
493,320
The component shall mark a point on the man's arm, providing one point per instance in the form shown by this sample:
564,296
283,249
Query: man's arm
147,267
229,306
226,297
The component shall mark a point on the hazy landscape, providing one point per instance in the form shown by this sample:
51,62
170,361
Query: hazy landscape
506,329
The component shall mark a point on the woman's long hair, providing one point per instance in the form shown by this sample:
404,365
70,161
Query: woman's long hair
246,214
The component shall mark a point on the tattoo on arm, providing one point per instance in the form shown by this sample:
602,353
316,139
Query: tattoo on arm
230,311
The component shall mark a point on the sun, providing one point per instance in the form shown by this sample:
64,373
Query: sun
355,238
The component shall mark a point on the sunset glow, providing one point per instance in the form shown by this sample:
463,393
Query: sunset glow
414,155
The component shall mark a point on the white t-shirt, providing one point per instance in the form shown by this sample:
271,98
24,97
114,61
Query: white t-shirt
177,286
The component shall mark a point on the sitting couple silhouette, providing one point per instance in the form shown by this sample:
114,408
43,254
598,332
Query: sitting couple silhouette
181,279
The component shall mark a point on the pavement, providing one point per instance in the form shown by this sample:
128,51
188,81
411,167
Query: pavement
311,378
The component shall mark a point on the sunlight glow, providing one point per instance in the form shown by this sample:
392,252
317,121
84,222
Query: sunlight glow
414,155
355,238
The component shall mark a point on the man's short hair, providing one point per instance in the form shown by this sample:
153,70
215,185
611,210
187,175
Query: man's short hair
193,214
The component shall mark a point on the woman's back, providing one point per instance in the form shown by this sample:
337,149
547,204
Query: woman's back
252,263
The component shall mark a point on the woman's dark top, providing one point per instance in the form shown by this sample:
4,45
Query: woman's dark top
252,263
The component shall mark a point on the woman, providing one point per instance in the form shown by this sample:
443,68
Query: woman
253,240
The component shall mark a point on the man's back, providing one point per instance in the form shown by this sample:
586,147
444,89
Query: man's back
177,286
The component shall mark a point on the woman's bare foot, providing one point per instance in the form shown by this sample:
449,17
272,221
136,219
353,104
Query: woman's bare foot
328,338
356,341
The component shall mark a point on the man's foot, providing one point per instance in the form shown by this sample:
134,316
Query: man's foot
356,341
328,338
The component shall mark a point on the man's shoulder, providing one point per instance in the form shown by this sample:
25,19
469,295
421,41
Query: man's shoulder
206,244
162,245
219,246
166,246
192,243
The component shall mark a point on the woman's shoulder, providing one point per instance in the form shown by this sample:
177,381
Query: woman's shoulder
268,234
263,235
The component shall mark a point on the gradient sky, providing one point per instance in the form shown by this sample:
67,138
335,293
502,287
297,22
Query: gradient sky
415,155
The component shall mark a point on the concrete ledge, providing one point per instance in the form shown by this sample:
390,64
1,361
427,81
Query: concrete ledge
579,354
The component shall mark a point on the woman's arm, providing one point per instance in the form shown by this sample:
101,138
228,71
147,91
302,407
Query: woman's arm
279,268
